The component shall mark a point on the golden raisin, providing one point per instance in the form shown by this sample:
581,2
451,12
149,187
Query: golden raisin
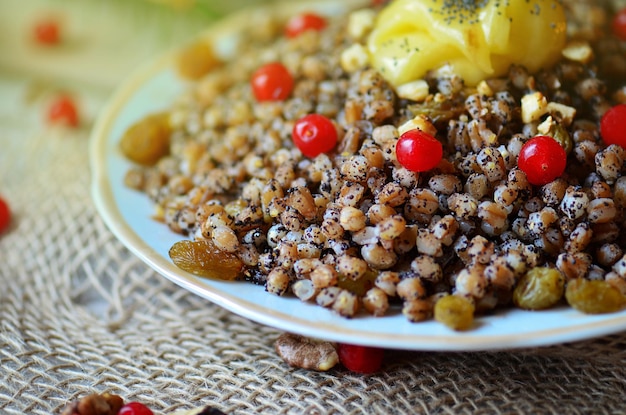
146,141
594,296
455,311
360,286
196,60
204,259
539,288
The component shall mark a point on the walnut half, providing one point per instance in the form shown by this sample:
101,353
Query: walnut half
95,404
306,353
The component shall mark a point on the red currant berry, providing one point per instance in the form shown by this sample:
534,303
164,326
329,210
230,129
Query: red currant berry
303,22
5,215
272,82
314,134
360,359
47,32
62,110
418,151
619,24
543,159
135,408
613,126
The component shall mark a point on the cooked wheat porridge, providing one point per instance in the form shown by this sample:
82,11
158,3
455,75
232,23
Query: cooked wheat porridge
442,158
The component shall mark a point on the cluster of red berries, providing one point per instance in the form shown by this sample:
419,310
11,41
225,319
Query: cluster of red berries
541,158
313,134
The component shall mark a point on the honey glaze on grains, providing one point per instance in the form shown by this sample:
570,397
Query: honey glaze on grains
355,227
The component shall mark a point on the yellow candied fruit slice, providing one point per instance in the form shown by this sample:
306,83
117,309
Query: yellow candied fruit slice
594,296
455,312
474,39
204,259
539,288
146,141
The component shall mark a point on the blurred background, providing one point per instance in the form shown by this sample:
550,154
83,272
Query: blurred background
99,41
60,62
81,49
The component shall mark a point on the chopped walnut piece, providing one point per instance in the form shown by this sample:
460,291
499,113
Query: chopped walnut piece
578,51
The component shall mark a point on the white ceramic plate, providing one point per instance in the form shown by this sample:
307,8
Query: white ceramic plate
127,213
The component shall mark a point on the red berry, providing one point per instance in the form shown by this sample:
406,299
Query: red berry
314,134
303,22
5,215
543,159
135,408
613,126
272,82
360,359
47,32
418,151
62,110
619,24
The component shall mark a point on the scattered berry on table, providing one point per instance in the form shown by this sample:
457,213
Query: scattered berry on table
5,215
303,22
418,151
63,110
135,408
543,159
360,359
47,32
613,123
314,134
619,24
272,82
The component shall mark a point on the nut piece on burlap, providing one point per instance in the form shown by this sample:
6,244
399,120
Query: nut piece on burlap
306,353
95,404
109,404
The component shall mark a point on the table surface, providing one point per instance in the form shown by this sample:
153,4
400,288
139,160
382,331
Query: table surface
80,314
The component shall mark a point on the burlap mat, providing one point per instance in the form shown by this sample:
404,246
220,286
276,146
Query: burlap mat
80,314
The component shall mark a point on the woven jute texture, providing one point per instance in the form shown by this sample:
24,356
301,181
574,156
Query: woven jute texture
149,340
